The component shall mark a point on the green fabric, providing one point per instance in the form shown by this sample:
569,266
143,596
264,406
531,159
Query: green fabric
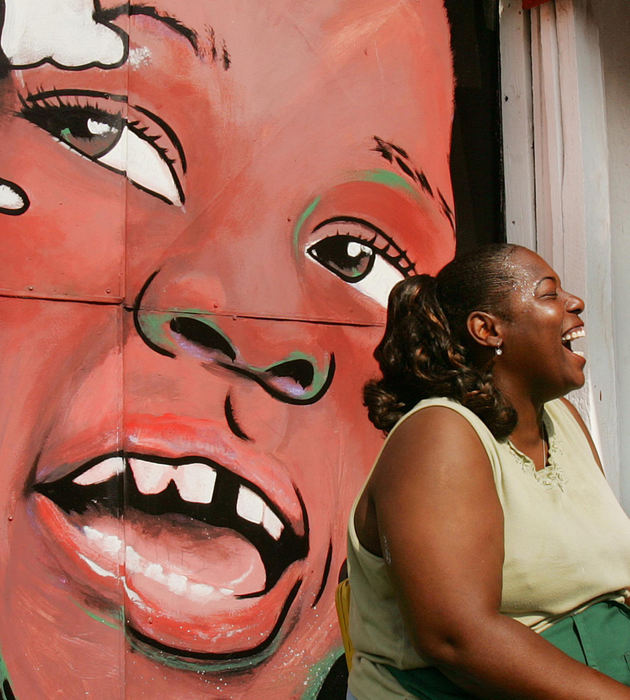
598,637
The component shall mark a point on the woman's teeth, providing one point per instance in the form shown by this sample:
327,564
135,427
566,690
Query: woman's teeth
573,335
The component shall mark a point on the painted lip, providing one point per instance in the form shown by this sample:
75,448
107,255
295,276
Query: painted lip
170,436
200,577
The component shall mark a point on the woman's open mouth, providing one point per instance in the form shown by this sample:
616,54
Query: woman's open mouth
207,564
571,336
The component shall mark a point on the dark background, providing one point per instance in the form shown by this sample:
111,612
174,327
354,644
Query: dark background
476,156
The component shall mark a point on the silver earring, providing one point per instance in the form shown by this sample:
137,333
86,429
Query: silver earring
498,350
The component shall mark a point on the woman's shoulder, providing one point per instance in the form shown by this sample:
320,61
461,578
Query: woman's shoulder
435,433
442,414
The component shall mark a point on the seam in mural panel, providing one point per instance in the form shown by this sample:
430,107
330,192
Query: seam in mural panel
72,300
223,314
235,315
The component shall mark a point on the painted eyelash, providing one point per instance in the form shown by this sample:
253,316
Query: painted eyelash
401,261
37,109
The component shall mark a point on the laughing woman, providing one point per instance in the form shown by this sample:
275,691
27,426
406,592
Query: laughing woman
488,556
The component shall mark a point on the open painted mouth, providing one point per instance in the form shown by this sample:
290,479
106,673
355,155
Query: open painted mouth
207,564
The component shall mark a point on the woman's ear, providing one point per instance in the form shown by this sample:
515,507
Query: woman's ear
484,329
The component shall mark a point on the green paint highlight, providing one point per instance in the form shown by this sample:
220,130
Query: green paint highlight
318,672
214,667
154,326
380,176
389,179
300,222
115,624
4,672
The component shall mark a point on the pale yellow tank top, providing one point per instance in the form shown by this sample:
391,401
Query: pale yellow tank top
566,540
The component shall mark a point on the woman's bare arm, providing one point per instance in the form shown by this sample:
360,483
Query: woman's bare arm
441,529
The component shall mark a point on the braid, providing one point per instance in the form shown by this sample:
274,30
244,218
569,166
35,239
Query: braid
425,351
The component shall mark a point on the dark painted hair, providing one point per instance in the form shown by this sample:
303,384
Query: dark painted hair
426,349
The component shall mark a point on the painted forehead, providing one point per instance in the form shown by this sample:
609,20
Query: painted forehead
39,31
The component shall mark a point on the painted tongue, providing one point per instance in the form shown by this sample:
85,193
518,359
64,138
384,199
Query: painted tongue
199,592
193,588
180,559
195,561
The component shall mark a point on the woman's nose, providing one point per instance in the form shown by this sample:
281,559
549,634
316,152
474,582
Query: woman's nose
575,304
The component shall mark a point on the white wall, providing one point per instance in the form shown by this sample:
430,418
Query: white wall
566,126
613,19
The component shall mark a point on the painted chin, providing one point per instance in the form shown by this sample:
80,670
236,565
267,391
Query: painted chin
206,565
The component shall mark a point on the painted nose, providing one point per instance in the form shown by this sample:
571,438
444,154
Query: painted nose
294,379
297,378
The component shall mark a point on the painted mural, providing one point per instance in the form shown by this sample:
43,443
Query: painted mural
203,206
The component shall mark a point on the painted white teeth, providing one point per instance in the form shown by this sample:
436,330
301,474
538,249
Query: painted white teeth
271,523
150,477
250,506
195,482
101,472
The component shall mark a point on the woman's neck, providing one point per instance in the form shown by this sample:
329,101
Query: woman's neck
529,432
529,429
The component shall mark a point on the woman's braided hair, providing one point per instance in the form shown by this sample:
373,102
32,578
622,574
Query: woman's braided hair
426,348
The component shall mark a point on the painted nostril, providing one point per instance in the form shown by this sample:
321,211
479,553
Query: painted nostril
202,334
301,371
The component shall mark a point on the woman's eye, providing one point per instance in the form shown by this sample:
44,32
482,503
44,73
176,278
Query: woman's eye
110,140
362,255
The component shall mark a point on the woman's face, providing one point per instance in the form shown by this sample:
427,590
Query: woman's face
192,289
539,337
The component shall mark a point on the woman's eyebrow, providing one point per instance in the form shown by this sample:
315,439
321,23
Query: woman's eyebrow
543,279
113,13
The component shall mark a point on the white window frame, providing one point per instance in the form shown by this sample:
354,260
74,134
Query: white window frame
556,173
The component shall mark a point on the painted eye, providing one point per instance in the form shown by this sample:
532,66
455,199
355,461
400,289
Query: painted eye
347,257
362,255
110,140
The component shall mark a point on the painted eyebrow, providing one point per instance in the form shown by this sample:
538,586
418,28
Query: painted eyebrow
175,24
396,155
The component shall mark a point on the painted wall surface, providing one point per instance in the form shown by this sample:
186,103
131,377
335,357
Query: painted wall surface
203,207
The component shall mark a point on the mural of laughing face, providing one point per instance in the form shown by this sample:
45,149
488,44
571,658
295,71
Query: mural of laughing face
203,208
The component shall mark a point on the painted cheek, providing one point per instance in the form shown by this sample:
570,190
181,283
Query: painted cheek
70,241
